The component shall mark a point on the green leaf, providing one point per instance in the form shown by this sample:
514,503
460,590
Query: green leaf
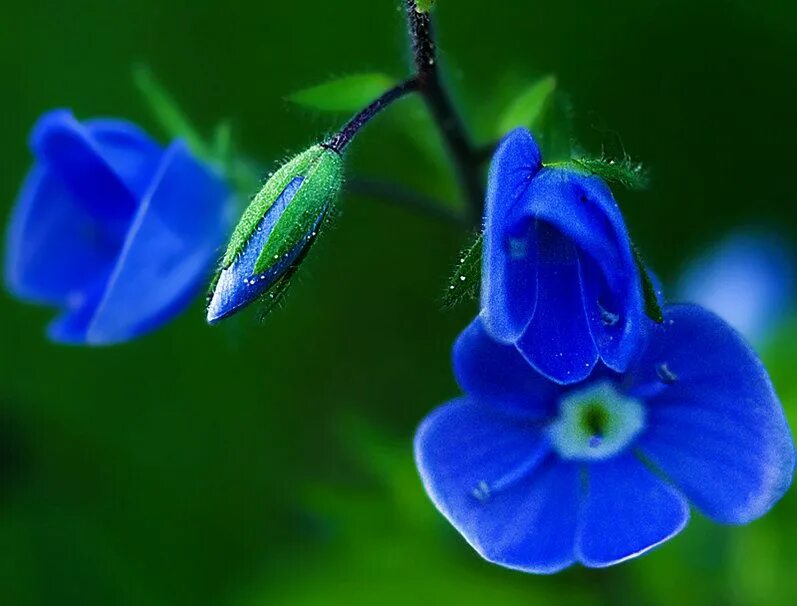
346,94
529,107
466,279
624,172
167,112
652,307
424,6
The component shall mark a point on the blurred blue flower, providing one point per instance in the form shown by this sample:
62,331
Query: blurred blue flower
560,281
112,229
537,476
747,279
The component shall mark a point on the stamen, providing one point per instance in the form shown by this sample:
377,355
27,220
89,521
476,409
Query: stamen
607,317
484,490
665,374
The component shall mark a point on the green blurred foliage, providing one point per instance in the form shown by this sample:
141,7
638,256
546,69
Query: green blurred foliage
221,466
344,94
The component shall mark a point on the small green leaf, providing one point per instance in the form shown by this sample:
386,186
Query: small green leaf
166,111
466,279
652,307
346,94
529,107
630,175
424,6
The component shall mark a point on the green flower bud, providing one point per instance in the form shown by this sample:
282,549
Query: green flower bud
276,230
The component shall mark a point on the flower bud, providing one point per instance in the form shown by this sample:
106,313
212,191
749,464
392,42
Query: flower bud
276,230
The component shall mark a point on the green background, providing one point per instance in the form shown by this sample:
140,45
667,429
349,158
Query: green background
271,463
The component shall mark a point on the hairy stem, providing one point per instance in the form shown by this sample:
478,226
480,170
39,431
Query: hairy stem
467,159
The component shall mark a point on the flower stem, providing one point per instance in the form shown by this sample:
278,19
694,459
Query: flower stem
339,141
467,158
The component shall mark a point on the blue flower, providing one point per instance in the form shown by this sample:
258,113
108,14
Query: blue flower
747,280
537,476
112,229
560,280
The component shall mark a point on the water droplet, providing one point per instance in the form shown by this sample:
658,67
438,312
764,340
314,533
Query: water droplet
463,278
665,374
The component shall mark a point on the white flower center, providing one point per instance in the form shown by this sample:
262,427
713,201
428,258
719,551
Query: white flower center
596,422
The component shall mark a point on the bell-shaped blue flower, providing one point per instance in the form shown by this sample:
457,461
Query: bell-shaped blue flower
276,231
112,229
560,280
537,476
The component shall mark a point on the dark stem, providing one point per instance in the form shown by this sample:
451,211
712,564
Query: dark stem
467,159
339,141
406,198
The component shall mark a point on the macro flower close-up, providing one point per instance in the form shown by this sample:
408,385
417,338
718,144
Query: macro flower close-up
432,302
113,230
537,476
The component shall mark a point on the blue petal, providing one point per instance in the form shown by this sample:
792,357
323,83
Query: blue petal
498,375
67,149
716,427
583,210
169,250
509,280
491,477
557,340
627,512
56,250
130,152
